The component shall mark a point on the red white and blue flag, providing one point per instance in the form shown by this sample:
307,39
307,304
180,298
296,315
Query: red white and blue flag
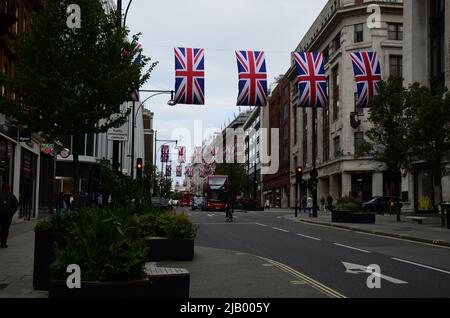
179,171
190,171
189,76
181,154
168,171
252,78
367,70
137,56
165,153
311,79
202,172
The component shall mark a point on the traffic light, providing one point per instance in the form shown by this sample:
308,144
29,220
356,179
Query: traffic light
298,174
139,168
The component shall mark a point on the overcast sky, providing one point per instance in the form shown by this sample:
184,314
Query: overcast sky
220,27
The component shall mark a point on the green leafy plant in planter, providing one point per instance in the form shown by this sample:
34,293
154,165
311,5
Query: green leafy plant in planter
349,204
102,244
179,227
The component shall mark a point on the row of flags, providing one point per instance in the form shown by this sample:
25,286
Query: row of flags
198,153
252,74
189,171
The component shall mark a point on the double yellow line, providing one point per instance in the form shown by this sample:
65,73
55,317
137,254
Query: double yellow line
311,282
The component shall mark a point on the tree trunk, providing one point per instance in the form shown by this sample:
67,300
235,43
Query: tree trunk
76,171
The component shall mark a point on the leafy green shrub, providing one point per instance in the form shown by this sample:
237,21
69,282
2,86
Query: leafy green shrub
166,224
102,243
179,227
349,203
59,222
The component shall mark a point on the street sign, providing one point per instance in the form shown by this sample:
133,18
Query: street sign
119,133
358,269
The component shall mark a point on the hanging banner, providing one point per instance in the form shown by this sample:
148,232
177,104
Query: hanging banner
190,171
367,70
168,171
311,79
198,155
252,75
202,172
179,171
165,153
181,154
47,148
189,76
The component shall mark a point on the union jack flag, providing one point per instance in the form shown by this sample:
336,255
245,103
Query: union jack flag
165,153
179,170
198,155
137,56
168,171
252,78
367,70
189,76
229,153
311,79
202,171
181,154
190,171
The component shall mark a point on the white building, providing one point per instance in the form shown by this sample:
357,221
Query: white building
340,29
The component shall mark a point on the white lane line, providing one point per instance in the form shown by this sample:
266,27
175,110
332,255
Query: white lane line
260,224
421,265
310,237
278,229
350,247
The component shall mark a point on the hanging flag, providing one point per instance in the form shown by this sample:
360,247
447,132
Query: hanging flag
190,171
202,172
181,154
137,56
168,171
367,70
311,79
179,170
212,168
229,153
189,76
214,153
164,153
198,155
252,78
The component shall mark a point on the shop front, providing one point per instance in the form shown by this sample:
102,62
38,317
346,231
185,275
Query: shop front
7,149
28,175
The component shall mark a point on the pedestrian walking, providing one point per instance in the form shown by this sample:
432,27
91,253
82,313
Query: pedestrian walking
322,204
8,207
329,202
309,203
267,204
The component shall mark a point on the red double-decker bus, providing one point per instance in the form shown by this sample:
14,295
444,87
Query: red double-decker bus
185,198
214,188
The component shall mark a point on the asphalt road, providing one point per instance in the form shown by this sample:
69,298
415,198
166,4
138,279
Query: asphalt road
408,269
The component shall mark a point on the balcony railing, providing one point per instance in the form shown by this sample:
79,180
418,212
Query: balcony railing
7,13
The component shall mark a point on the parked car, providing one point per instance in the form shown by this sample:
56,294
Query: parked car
380,204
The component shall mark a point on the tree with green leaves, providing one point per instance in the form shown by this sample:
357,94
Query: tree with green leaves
429,133
237,176
69,82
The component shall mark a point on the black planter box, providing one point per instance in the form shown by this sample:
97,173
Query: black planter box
165,249
352,217
44,244
150,287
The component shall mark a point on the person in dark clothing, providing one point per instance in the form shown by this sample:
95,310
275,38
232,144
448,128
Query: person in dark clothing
229,201
329,202
8,207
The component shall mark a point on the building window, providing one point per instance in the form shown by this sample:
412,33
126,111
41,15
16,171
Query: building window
90,144
305,137
326,55
395,31
359,32
285,152
335,93
358,110
326,130
437,44
396,66
359,138
337,146
337,42
295,124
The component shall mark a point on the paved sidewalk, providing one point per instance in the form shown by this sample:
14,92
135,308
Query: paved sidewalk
16,263
430,231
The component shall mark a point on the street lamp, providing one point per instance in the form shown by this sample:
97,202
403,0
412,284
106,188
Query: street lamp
171,102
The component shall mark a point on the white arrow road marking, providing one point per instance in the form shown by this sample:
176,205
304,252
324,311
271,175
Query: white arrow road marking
350,247
260,224
210,215
421,265
278,229
357,269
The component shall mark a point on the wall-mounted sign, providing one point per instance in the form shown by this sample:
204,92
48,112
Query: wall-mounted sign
24,136
47,148
119,133
65,153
